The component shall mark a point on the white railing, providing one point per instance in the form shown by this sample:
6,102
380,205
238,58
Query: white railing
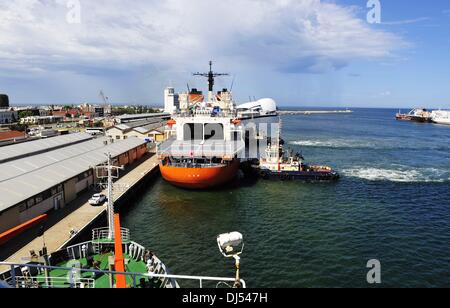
167,279
24,282
103,234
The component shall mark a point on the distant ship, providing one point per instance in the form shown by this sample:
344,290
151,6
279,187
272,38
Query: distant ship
420,115
208,136
441,117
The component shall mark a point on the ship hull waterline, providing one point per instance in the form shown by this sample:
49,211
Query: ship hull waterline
200,178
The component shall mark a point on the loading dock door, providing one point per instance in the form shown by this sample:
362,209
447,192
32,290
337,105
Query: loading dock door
57,202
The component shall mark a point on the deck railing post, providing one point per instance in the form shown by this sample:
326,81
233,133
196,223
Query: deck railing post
13,275
71,278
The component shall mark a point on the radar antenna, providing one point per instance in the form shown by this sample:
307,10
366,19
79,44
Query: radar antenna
211,76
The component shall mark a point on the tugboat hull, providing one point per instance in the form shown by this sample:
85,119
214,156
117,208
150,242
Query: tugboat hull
199,178
300,176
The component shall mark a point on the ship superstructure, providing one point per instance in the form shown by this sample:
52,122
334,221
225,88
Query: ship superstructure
441,117
208,137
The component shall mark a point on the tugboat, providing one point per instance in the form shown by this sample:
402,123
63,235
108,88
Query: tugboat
402,116
279,165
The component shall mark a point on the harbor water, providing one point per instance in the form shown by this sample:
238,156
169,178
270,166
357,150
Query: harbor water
391,204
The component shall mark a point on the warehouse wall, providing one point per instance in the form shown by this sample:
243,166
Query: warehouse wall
84,185
70,190
65,193
9,219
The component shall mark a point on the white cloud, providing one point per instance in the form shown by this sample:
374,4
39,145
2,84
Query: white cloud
406,21
285,35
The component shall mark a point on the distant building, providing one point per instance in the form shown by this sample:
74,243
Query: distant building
150,130
127,118
171,101
262,106
4,101
8,116
97,110
11,136
38,120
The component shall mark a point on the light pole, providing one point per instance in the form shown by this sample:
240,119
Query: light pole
231,245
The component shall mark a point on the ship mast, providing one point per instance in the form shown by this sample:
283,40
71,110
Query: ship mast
110,202
279,144
211,76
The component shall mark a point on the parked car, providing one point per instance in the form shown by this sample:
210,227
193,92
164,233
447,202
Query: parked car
97,199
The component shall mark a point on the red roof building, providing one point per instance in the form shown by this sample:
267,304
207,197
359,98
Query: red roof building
12,135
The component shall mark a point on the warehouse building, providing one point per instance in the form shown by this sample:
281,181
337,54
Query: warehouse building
16,151
152,130
142,117
37,182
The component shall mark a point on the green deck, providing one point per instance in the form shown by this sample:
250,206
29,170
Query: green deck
101,280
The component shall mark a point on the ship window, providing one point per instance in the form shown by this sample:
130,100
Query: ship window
214,132
193,131
237,136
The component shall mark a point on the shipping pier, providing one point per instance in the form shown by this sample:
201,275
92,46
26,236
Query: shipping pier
58,236
51,180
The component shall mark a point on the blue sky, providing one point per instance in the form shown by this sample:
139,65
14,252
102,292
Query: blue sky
299,52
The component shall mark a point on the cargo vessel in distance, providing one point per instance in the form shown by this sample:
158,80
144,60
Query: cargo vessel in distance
420,115
208,136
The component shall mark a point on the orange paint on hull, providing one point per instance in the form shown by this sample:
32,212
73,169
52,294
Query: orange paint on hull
8,235
199,178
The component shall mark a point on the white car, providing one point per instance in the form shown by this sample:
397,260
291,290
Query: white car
97,199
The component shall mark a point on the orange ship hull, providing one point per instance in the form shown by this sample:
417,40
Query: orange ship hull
199,178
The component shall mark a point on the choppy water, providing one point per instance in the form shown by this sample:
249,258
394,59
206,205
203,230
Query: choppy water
392,204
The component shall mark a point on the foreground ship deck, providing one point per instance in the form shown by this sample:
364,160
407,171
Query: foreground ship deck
109,260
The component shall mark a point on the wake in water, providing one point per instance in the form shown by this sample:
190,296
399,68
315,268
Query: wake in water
384,144
424,175
328,143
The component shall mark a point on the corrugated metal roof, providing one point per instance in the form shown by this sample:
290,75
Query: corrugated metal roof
122,127
142,127
144,115
28,164
28,148
154,126
48,174
141,130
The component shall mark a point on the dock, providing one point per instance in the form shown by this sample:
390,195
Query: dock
58,236
314,112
